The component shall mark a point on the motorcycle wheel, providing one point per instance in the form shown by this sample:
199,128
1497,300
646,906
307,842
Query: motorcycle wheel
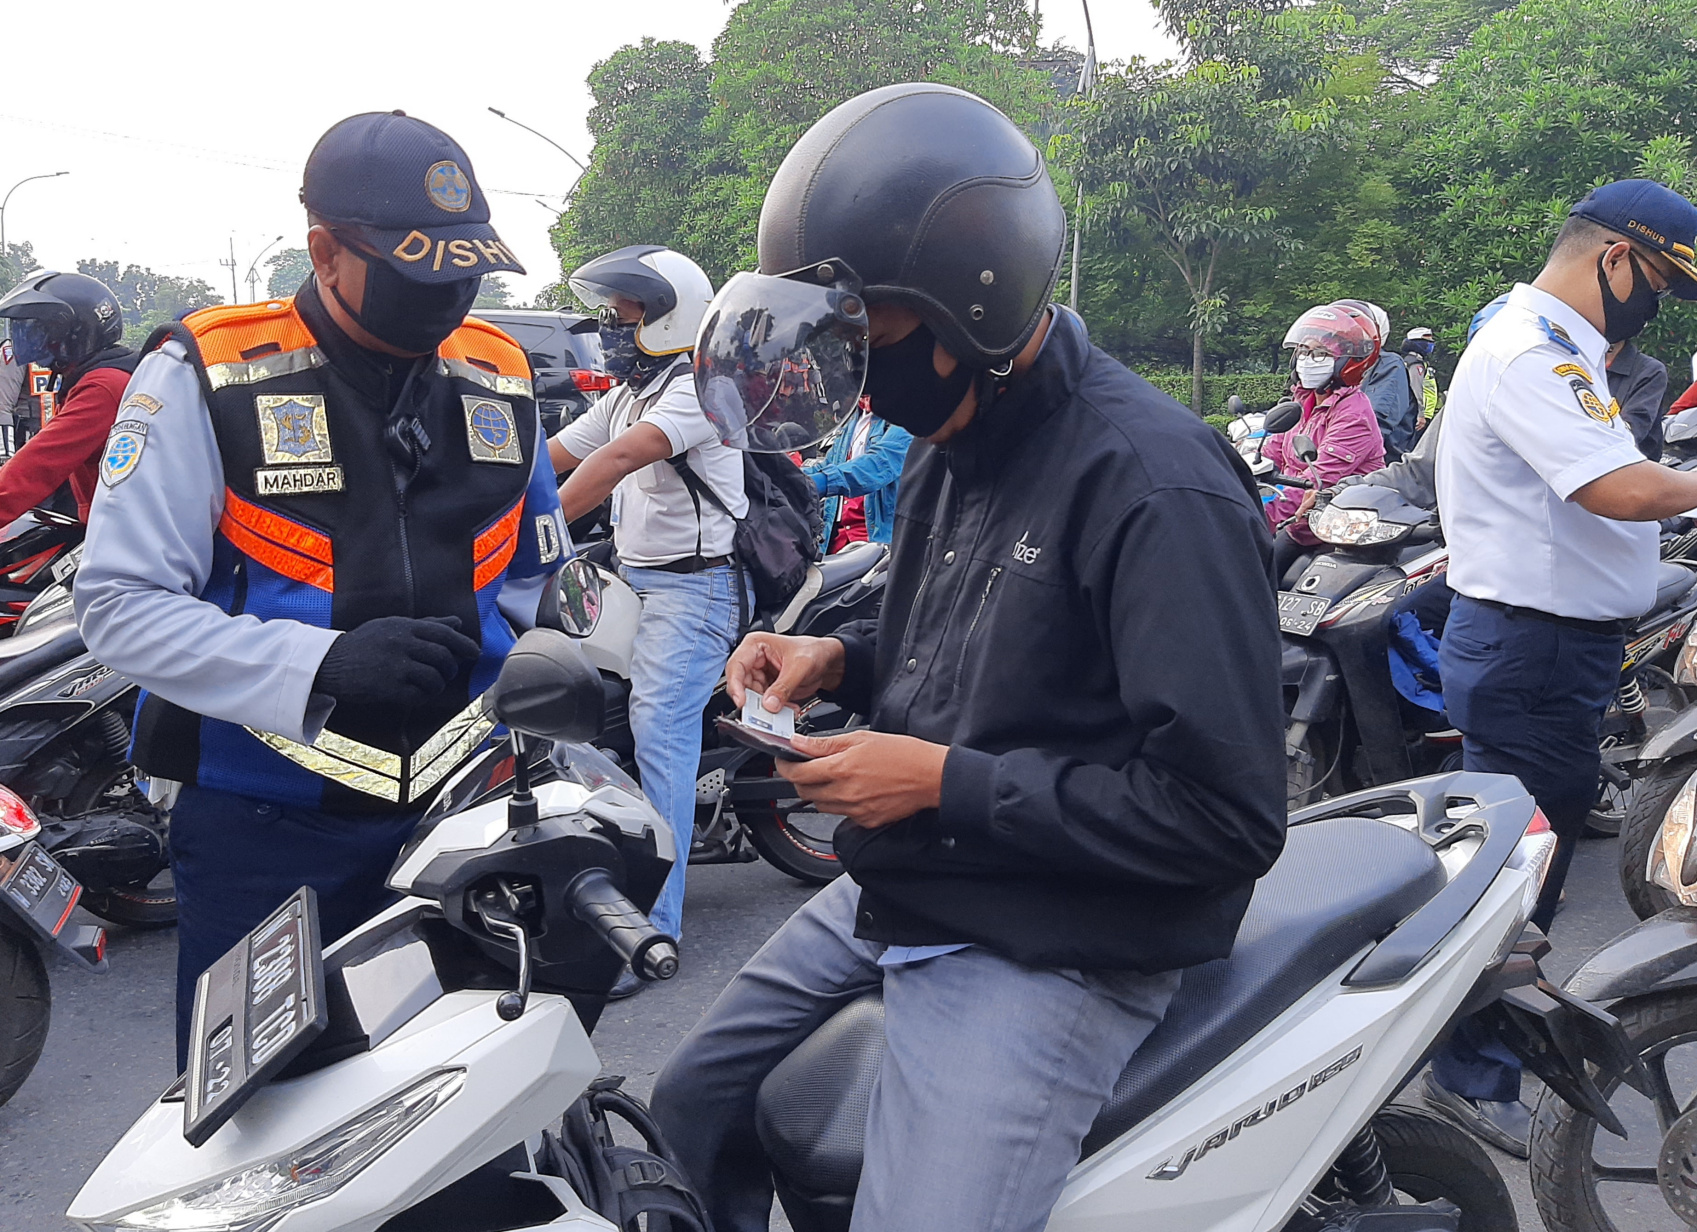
1428,1158
25,1006
1566,1173
141,904
792,836
1638,833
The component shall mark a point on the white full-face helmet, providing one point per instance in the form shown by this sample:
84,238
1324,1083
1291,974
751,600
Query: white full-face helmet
673,290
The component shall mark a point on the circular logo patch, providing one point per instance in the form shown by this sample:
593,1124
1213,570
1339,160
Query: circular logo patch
492,426
123,451
448,187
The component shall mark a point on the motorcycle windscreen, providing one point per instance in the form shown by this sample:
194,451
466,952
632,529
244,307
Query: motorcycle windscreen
779,362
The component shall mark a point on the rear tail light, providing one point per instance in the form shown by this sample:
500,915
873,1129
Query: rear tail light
1539,824
1534,855
16,820
592,382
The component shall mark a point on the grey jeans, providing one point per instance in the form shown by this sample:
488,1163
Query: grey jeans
992,1076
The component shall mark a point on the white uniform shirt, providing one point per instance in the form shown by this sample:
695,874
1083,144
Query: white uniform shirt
654,516
1528,423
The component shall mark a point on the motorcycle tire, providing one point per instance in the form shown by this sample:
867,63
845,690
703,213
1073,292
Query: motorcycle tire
25,1007
1564,1167
1638,834
790,847
1428,1158
148,904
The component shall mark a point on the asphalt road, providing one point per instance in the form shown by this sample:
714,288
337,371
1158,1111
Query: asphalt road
109,1052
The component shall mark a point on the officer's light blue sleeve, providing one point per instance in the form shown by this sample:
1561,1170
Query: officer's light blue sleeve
147,558
543,543
1557,422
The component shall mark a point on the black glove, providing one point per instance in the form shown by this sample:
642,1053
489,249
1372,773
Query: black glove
395,661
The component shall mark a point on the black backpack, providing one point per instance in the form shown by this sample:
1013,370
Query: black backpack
778,538
623,1184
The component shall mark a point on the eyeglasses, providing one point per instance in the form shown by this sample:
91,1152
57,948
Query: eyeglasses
1655,272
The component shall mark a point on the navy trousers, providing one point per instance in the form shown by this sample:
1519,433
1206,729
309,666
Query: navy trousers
1528,696
234,861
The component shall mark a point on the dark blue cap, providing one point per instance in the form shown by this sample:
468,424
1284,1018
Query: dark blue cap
1652,216
407,190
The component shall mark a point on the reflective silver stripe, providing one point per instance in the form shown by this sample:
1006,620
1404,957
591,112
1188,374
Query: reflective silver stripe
314,758
443,751
514,386
264,368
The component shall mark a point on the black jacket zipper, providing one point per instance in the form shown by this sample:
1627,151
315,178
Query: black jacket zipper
966,642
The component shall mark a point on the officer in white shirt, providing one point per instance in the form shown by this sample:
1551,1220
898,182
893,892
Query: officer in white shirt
1550,512
676,494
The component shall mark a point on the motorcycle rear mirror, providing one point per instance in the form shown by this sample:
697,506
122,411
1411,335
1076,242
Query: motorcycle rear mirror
571,602
1235,407
548,688
1304,446
1282,418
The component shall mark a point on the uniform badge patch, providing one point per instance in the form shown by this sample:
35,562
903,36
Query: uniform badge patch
1593,406
123,451
142,402
491,430
293,428
1573,370
547,538
297,480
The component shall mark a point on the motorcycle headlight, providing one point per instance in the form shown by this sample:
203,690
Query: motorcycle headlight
1685,666
1673,863
1353,527
253,1199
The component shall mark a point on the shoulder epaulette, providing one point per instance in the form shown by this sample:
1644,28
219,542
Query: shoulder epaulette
1558,335
489,348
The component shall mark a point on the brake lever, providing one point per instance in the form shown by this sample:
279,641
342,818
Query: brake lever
509,1005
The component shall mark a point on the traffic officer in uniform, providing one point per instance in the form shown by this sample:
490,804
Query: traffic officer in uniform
319,521
1550,511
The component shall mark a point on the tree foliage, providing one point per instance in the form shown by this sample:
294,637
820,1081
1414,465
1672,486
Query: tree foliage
149,299
289,269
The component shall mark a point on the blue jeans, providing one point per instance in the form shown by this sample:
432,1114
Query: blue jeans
687,630
992,1074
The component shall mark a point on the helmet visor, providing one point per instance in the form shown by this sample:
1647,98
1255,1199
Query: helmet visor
32,341
1329,331
780,363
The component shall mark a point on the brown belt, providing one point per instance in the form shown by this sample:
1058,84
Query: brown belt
690,564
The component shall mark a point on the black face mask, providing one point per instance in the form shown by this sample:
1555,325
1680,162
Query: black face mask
1626,318
904,386
409,316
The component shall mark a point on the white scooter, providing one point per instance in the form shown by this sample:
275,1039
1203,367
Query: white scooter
402,1082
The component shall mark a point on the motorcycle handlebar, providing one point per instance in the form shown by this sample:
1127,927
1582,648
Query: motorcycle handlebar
596,901
1291,481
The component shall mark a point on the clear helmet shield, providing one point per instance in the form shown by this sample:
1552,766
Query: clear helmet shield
780,363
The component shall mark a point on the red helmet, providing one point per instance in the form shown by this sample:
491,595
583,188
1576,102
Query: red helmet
1347,335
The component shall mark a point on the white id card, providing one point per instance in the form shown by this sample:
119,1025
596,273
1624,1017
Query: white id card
758,717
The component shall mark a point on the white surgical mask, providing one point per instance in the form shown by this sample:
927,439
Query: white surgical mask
1313,371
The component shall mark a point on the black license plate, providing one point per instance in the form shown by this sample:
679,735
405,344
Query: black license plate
255,1009
1300,614
44,893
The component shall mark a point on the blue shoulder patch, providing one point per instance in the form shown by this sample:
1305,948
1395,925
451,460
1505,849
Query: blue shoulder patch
1559,336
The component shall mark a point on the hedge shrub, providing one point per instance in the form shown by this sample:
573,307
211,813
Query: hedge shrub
1259,390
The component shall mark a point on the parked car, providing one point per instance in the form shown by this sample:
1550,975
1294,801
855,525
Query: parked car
565,355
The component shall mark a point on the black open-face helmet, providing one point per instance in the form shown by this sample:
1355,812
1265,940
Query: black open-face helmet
61,321
916,194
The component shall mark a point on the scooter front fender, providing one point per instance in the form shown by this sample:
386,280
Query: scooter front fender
1678,736
1659,955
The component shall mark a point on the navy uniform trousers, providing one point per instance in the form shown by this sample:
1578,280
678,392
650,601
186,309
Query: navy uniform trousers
235,860
1528,695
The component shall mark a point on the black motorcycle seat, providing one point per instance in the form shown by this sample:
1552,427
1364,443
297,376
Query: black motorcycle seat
841,568
1672,584
1341,885
28,654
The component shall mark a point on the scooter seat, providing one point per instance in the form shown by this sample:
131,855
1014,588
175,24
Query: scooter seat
1673,582
1341,885
32,652
841,568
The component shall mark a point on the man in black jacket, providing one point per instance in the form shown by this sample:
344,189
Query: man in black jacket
1074,772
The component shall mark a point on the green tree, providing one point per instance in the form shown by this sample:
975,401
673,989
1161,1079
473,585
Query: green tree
15,262
149,299
494,293
289,268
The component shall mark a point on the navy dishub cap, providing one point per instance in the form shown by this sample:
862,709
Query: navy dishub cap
409,189
1654,216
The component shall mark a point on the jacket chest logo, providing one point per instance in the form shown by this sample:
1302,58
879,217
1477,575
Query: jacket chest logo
491,430
1024,553
294,434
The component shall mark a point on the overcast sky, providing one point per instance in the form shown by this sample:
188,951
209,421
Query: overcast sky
184,126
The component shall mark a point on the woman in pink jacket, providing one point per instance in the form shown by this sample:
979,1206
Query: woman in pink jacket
1334,349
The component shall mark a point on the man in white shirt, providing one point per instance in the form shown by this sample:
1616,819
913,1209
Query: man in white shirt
674,546
1550,512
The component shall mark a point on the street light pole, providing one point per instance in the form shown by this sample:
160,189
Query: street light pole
583,168
252,277
1086,84
46,175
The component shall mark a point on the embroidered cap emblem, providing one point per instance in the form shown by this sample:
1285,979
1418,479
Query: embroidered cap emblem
448,187
123,451
293,428
491,430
